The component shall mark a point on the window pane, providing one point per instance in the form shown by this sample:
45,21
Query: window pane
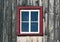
25,16
25,27
34,27
34,16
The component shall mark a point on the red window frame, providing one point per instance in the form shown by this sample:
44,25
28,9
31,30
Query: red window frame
18,20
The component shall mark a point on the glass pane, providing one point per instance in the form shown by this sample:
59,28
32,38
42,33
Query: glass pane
34,16
25,27
34,27
25,16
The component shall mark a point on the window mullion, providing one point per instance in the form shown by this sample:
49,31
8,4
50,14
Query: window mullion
29,21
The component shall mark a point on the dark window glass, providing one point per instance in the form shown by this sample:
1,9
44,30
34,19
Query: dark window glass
34,16
25,27
34,27
25,16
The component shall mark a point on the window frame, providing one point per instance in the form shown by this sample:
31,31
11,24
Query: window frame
18,21
29,21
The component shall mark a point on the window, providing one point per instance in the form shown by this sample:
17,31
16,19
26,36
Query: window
29,21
